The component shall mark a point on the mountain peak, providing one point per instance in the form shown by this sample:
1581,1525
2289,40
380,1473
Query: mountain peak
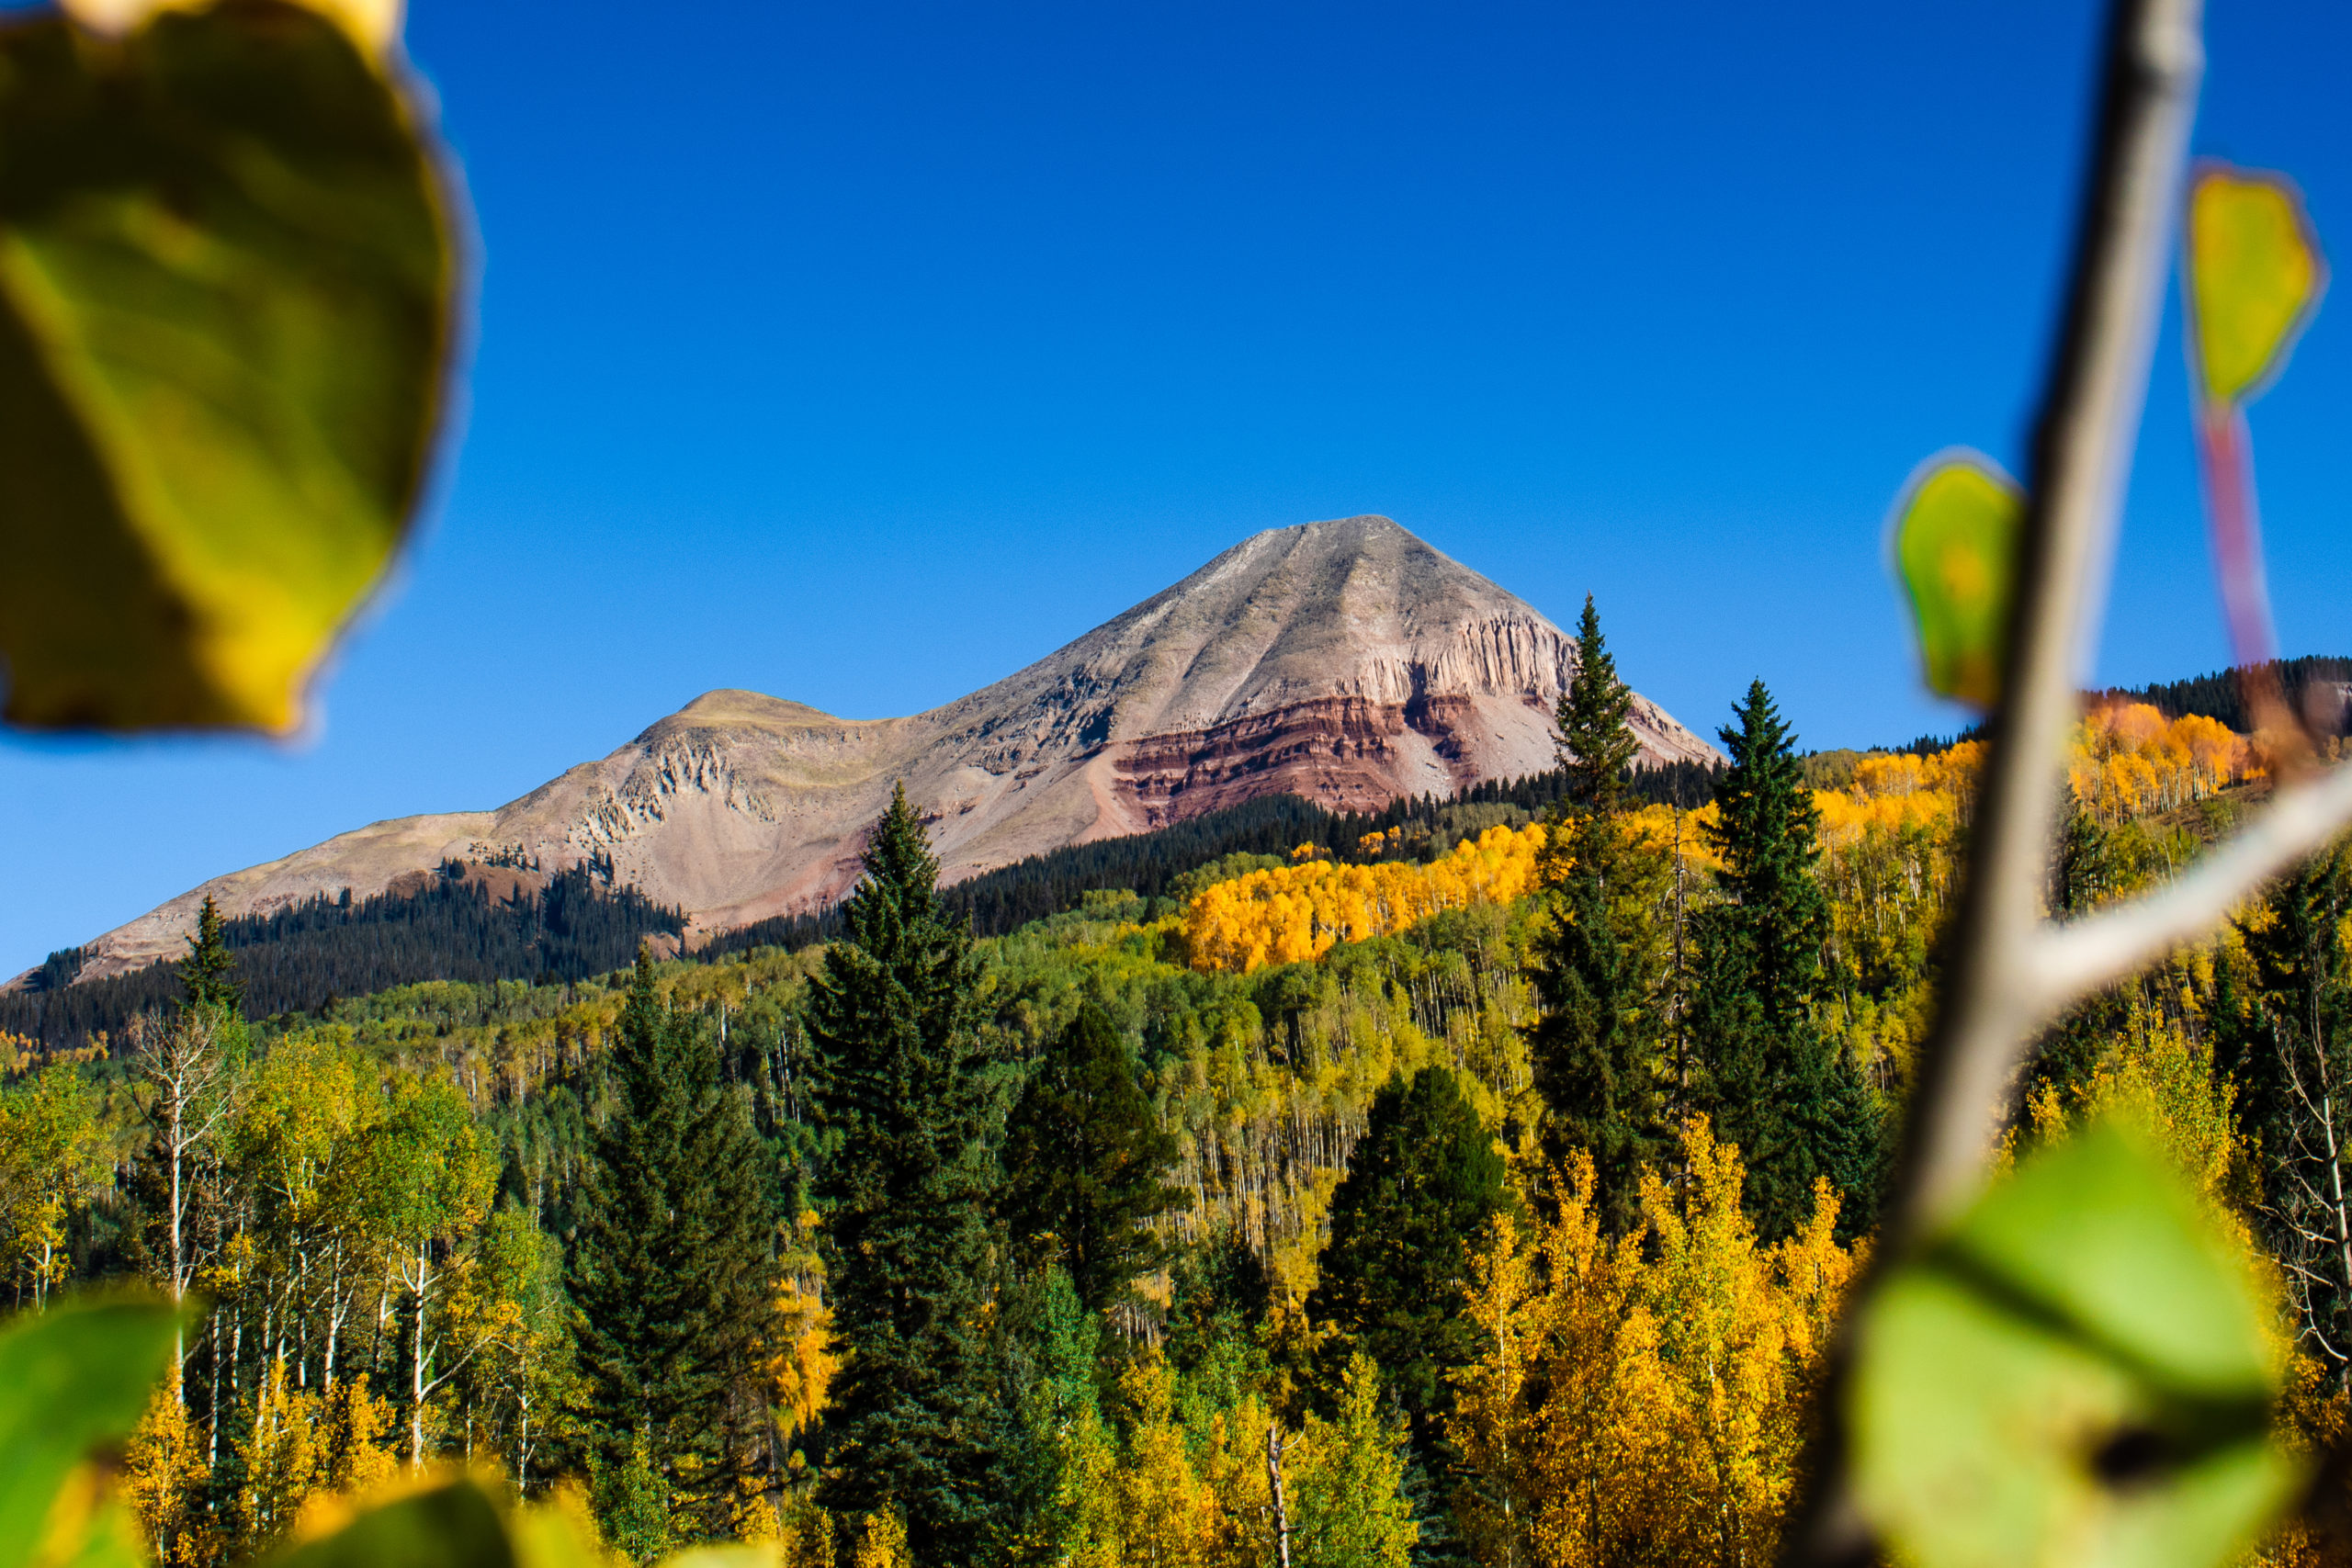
1343,660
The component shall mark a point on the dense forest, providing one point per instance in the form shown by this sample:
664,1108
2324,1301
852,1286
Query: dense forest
1478,1187
565,925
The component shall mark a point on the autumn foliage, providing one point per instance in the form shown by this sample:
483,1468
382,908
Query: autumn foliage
1296,913
1642,1400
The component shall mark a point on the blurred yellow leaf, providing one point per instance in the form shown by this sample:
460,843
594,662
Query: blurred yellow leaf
226,288
1954,543
2255,274
375,23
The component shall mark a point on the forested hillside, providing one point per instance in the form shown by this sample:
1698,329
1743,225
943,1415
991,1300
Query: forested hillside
2221,695
1489,1174
563,926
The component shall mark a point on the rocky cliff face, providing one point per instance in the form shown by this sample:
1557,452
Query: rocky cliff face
1344,661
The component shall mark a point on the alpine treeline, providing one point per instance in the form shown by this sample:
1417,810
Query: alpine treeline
1506,1227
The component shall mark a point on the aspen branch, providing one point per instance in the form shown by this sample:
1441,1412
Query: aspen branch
2072,960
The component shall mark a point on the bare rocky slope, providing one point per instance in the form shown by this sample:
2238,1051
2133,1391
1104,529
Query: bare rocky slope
1344,661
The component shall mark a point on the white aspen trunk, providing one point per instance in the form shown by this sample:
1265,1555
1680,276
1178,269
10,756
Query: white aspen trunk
1274,1488
416,1365
212,1412
179,1271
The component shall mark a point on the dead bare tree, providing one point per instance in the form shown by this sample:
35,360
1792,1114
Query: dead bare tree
184,1068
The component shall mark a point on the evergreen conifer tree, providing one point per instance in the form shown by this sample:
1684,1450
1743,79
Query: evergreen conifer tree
1421,1184
209,974
1595,740
1597,966
670,1269
1084,1158
1791,1099
915,1420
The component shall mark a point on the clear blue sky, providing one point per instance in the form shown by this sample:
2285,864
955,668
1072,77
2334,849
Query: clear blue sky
862,354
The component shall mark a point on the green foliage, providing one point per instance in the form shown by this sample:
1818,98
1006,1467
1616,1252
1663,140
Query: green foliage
672,1267
632,1499
1085,1157
1953,545
226,287
1423,1181
312,957
1599,967
1597,1048
2282,1032
904,1085
2082,1360
70,1379
1074,1447
1348,1494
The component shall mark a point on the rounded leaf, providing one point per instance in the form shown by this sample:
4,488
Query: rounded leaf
1955,544
72,1378
2254,278
226,288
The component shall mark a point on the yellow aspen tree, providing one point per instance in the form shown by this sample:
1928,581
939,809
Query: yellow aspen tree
163,1474
1169,1517
1725,1343
282,1458
1491,1422
882,1543
358,1457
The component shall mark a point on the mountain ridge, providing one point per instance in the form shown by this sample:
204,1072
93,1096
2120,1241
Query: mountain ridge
1344,661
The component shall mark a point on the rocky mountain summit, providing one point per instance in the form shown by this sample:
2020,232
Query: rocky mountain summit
1344,661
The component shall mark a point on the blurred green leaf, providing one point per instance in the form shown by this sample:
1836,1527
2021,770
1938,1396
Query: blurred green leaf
1955,544
225,313
2255,276
72,1378
450,1526
2077,1374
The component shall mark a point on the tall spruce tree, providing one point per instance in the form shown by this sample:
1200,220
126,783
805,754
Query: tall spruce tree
1083,1156
671,1269
1421,1185
1791,1099
1596,1045
209,974
915,1423
1595,742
